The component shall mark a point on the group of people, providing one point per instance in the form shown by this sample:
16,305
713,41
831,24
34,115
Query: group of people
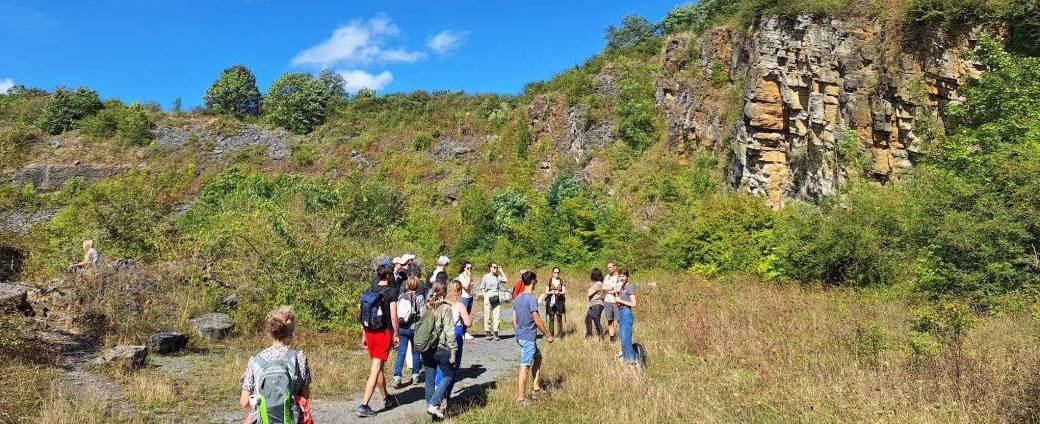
405,306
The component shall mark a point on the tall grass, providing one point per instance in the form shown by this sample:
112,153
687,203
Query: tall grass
746,351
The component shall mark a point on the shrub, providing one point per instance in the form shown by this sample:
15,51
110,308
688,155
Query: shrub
105,123
298,102
697,17
722,233
64,108
133,129
234,93
634,32
636,109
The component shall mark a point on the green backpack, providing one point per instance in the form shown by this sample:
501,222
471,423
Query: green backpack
428,331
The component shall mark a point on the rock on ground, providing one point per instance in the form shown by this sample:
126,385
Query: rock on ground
126,357
13,297
213,326
167,342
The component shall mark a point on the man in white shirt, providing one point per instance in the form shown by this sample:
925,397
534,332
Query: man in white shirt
611,288
491,287
442,265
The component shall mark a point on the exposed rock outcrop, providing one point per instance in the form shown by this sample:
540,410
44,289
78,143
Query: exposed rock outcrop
13,298
275,141
47,176
811,84
213,326
125,357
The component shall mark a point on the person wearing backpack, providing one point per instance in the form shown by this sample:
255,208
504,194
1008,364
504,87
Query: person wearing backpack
277,380
380,324
410,306
460,320
626,300
435,340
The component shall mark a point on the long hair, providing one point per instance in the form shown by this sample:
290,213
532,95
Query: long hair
87,245
454,292
437,293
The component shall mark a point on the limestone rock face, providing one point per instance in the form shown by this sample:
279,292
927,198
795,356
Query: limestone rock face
48,176
213,326
811,84
276,142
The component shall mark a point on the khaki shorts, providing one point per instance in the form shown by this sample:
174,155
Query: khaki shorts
610,311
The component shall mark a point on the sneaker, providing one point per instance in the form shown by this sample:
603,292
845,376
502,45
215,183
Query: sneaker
435,411
364,411
397,382
467,337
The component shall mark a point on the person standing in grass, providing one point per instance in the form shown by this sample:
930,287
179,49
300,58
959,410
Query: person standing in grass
525,321
626,300
466,278
417,305
611,287
460,320
279,325
555,303
441,359
379,343
491,287
595,294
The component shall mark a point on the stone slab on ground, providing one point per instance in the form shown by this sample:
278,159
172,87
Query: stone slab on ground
167,342
126,357
213,326
13,297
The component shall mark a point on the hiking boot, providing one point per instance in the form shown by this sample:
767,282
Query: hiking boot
495,337
364,411
397,382
435,411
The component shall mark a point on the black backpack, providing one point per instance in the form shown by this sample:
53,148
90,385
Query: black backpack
373,318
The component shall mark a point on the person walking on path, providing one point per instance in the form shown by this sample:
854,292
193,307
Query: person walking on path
525,321
555,303
415,307
491,287
460,320
379,342
626,301
441,359
595,295
611,288
279,325
466,279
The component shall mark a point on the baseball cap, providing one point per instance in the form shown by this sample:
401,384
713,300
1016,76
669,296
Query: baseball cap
407,257
397,260
384,262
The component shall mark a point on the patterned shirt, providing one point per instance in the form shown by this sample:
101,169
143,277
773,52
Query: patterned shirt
275,353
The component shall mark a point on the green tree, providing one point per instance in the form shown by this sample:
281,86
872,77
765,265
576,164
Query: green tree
634,31
697,17
298,102
133,129
65,108
234,93
176,107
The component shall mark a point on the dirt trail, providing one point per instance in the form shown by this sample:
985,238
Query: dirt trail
73,352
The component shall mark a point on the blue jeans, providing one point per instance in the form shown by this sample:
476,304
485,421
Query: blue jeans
460,331
625,322
406,335
438,361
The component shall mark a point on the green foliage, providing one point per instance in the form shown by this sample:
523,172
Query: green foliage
15,142
422,141
104,124
65,108
697,17
234,93
635,32
299,102
175,107
133,129
639,119
721,233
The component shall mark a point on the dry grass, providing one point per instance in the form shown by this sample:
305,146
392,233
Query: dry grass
746,351
26,392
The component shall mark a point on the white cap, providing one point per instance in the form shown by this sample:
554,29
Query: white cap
397,260
443,260
407,257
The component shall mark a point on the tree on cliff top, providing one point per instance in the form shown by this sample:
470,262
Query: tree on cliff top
234,93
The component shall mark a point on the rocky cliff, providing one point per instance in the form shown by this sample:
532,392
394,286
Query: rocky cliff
791,101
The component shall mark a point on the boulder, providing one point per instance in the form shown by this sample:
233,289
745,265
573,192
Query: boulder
213,326
167,342
126,357
14,297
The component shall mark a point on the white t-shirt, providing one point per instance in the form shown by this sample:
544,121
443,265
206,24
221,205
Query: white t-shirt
610,283
93,255
466,282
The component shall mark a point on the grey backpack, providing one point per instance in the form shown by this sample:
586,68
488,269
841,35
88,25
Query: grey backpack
275,384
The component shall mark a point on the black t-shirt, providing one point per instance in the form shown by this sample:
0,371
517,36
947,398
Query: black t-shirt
390,295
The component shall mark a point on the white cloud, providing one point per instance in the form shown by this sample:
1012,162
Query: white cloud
357,43
355,80
6,84
446,41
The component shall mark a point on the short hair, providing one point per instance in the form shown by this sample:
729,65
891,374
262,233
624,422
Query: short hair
384,273
612,263
412,284
624,271
528,278
441,277
597,275
556,269
281,323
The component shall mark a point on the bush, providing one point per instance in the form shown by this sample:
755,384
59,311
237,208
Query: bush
64,108
636,109
634,32
697,17
234,93
105,123
298,102
133,129
722,233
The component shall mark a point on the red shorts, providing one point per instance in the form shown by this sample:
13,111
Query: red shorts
378,343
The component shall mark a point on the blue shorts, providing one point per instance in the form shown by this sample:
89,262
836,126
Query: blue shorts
528,350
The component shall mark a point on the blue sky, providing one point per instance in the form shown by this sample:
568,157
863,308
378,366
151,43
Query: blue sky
161,49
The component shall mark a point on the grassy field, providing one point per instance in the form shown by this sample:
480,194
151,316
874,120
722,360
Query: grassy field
747,351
